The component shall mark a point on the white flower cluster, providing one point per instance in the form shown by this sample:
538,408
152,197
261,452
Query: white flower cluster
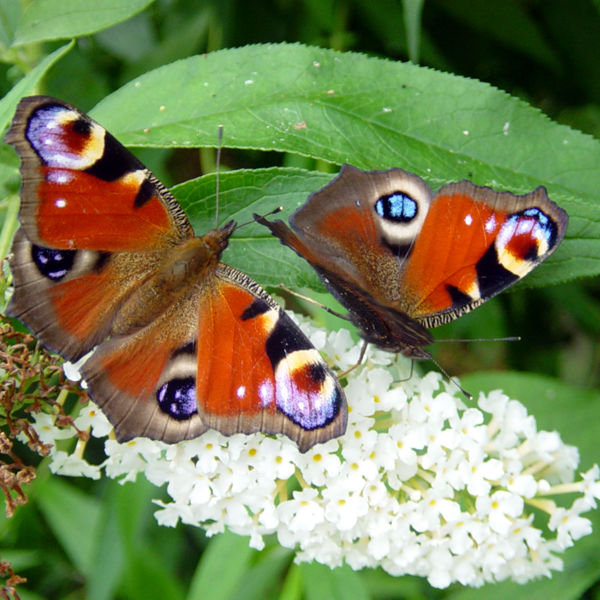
419,484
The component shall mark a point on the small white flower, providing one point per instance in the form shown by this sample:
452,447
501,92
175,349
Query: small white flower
435,509
479,476
72,371
303,513
47,430
569,525
343,507
71,465
501,508
524,485
90,416
419,484
591,486
320,464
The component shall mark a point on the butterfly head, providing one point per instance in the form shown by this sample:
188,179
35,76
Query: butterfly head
218,239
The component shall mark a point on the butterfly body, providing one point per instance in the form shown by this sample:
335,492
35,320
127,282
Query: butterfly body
402,259
106,260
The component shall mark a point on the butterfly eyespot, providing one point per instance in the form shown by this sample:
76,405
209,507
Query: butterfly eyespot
397,207
177,398
305,392
525,237
545,226
81,127
53,264
61,138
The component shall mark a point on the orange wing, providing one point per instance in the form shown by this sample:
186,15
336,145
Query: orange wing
82,189
230,359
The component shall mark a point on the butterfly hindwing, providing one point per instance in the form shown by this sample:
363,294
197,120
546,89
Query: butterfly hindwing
69,298
230,359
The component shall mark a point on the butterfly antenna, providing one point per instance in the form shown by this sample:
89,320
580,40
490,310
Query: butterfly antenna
217,169
451,379
272,212
514,338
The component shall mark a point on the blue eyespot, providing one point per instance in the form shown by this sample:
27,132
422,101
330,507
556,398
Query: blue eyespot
544,223
541,217
397,207
53,264
177,398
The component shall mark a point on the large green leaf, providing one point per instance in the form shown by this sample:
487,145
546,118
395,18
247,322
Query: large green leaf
73,517
323,583
371,113
221,568
28,85
58,19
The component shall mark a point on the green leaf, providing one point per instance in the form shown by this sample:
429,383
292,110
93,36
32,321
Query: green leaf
323,583
28,85
186,33
383,585
131,39
58,19
108,557
317,582
349,584
292,585
264,576
22,559
221,567
143,572
253,249
9,210
10,13
73,517
147,576
371,113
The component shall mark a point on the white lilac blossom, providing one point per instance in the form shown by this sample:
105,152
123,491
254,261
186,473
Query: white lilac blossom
419,484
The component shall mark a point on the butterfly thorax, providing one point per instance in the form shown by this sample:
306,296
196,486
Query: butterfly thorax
179,271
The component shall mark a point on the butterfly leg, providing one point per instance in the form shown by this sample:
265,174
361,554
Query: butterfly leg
361,357
410,374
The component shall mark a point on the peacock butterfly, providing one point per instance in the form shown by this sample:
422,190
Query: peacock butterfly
106,258
402,259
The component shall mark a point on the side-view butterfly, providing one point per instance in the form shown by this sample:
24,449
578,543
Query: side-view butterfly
105,258
402,259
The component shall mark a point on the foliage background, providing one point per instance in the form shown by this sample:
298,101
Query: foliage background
82,539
